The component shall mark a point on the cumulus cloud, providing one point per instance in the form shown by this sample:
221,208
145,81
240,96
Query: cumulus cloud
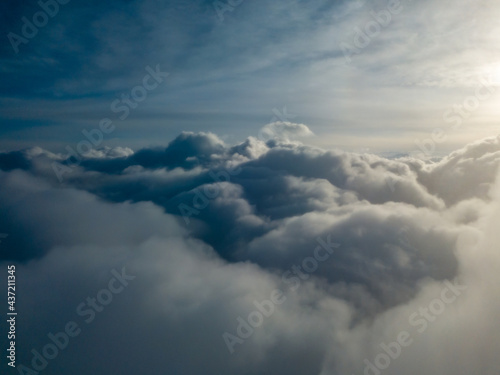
360,248
285,131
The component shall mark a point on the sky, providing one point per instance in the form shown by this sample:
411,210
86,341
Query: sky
233,69
249,187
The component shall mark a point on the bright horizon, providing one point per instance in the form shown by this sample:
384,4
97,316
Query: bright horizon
379,75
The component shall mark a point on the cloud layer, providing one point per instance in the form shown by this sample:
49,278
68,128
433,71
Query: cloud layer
361,248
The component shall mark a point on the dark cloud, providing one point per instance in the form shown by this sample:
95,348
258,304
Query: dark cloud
208,229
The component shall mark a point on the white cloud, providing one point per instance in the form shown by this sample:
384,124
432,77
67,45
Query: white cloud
400,243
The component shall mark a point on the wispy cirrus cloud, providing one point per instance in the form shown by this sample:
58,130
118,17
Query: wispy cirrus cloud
279,53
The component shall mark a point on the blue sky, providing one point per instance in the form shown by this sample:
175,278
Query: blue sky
274,149
232,74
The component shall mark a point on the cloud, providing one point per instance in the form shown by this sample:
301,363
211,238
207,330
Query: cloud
281,130
256,47
257,210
